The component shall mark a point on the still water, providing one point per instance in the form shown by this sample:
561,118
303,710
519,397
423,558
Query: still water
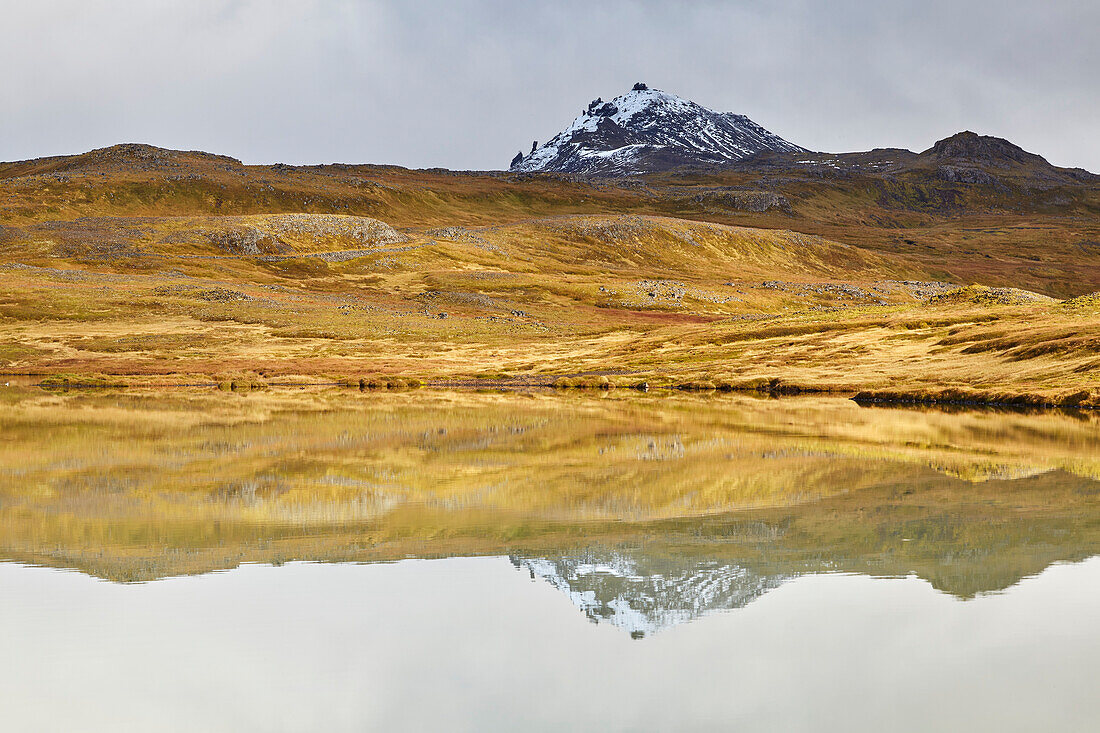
470,644
330,561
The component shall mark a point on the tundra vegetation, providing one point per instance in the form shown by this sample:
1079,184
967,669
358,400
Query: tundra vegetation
141,266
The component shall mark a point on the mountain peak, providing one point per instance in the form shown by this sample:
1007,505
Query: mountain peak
646,130
970,147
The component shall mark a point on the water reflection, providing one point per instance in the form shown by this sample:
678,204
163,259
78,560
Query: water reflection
643,595
626,502
841,568
469,644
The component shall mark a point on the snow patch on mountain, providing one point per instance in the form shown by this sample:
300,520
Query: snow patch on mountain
646,130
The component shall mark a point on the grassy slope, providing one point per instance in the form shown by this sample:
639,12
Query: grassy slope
176,276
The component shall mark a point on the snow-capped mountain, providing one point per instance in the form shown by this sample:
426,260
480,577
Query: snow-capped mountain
643,595
648,130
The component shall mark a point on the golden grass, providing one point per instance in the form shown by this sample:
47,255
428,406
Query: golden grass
627,298
196,268
1042,241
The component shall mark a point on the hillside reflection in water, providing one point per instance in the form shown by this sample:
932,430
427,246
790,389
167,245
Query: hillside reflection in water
829,559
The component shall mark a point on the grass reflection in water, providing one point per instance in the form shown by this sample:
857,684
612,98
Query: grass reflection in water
594,493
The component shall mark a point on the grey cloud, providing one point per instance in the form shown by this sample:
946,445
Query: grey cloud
466,84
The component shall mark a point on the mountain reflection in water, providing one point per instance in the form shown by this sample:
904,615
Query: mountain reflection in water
641,595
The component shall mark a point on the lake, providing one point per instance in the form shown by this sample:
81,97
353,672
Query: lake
336,560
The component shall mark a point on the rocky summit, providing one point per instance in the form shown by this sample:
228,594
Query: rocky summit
974,148
648,130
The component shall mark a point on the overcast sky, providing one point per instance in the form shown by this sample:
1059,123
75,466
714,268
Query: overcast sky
467,83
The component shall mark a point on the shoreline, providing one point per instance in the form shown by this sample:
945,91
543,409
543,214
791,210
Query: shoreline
1080,400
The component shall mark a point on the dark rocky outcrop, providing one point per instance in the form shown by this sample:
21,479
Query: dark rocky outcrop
970,147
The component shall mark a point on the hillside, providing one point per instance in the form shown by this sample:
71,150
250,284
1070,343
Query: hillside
821,272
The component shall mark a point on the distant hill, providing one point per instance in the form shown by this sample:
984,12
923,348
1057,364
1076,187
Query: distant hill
971,209
971,158
964,158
